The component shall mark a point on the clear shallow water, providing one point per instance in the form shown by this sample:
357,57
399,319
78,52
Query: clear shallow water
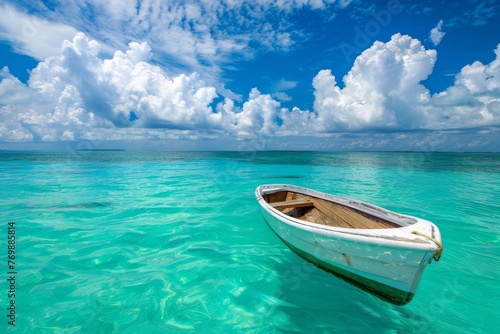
153,242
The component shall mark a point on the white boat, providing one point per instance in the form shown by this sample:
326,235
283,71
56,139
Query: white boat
378,250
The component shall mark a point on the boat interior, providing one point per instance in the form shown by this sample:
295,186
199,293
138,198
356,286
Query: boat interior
320,211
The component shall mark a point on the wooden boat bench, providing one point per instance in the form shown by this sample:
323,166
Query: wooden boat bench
292,204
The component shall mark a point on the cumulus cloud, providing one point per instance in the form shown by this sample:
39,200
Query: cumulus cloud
12,91
381,91
257,117
437,34
473,100
77,95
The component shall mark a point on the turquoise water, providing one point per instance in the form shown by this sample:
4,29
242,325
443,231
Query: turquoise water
161,242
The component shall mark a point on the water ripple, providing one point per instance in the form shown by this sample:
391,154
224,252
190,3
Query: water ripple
126,243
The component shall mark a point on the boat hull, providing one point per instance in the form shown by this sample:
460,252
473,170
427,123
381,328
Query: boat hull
390,270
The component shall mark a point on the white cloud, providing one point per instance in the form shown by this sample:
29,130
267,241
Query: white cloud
282,96
382,90
258,116
437,34
76,95
262,116
296,122
473,100
31,35
285,85
12,91
187,36
281,86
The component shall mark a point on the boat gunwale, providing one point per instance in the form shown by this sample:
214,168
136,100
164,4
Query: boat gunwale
398,237
348,202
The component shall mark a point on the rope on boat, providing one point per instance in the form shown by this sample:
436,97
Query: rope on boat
437,255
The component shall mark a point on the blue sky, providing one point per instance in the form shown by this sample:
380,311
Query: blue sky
239,75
